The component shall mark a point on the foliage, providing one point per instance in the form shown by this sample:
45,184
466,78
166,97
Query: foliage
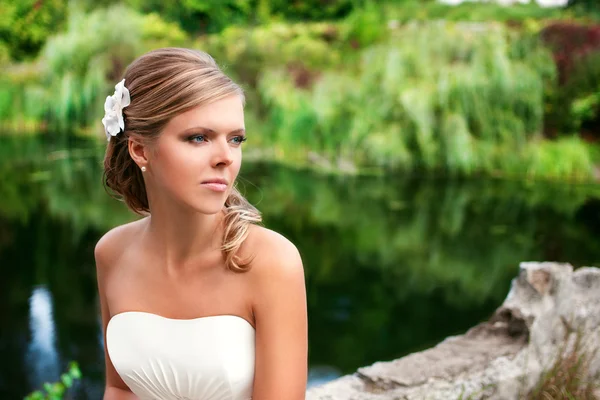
365,25
574,104
311,10
77,68
19,98
557,159
203,16
26,24
459,99
198,15
246,52
4,54
89,36
452,98
56,391
427,10
585,6
570,43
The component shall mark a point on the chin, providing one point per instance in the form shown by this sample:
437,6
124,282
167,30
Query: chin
201,203
208,207
206,211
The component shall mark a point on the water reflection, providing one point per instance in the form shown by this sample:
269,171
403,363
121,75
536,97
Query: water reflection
393,264
319,374
42,355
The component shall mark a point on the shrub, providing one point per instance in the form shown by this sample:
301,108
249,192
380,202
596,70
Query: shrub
204,16
570,43
56,391
458,99
26,24
427,10
76,69
246,52
585,6
574,103
196,16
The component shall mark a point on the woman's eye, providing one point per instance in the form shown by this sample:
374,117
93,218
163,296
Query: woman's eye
197,139
239,139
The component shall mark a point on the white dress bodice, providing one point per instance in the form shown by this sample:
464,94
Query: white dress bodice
206,358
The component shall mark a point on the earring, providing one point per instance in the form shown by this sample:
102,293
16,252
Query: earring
143,169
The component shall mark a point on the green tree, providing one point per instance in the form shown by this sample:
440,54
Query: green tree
313,9
26,24
199,16
585,7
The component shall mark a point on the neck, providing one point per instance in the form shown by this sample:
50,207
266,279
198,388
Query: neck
180,237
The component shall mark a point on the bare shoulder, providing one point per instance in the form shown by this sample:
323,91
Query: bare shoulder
272,254
279,308
276,275
113,243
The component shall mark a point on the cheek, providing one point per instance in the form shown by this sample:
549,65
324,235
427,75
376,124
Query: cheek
178,163
236,165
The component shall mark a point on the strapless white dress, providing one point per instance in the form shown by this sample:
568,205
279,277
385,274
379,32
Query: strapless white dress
206,358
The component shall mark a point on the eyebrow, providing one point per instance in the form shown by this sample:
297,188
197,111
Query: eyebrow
208,130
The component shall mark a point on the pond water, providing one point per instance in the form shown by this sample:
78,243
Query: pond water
393,264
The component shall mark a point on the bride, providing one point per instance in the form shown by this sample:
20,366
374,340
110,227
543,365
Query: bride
198,300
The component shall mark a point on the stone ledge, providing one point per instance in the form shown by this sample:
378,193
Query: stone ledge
497,359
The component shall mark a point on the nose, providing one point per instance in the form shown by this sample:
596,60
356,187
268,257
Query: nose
221,153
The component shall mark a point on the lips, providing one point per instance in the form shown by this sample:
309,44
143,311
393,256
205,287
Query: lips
215,184
216,180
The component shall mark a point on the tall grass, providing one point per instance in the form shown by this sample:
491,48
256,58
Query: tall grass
77,68
449,98
411,10
457,99
569,376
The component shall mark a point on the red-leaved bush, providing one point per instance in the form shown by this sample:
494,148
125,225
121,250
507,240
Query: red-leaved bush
570,44
573,105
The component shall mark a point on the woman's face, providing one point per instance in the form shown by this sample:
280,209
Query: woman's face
201,145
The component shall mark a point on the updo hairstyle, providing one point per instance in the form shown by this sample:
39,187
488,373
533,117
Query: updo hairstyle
162,84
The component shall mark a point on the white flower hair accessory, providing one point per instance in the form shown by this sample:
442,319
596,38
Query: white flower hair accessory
113,110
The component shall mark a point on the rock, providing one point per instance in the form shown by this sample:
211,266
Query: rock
547,307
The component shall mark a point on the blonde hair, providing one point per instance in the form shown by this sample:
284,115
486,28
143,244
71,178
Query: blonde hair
162,84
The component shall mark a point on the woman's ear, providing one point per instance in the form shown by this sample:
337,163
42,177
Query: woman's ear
138,152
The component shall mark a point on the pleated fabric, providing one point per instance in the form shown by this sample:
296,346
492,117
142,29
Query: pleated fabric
207,358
